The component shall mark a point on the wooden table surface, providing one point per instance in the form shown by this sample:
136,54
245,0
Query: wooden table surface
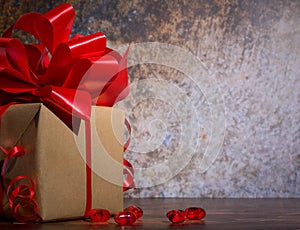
221,214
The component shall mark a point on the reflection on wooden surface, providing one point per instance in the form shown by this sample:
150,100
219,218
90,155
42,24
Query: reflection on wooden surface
221,214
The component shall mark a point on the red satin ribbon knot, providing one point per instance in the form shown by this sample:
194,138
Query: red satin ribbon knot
67,76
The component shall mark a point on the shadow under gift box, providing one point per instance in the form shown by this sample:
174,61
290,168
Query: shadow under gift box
55,159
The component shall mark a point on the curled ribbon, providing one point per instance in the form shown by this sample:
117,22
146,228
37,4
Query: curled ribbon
128,168
67,76
20,197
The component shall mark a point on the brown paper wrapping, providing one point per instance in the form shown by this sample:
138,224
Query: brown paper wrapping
55,156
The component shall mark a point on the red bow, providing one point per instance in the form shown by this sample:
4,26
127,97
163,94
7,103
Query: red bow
66,75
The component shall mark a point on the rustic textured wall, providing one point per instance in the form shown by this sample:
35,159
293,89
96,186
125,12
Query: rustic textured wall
242,92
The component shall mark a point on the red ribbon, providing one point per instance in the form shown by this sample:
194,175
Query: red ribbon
128,168
67,76
20,197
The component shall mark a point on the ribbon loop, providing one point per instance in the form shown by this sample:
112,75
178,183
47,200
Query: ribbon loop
57,25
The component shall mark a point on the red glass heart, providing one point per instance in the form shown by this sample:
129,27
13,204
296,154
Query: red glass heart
137,211
125,218
176,216
195,213
99,215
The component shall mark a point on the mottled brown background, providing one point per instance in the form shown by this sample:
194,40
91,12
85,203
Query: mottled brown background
250,49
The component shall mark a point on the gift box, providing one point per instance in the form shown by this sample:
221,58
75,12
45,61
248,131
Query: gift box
55,160
62,140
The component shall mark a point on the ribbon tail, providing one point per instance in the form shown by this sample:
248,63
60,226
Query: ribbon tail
88,158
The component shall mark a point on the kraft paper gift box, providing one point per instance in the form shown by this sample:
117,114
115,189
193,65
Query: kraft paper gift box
55,159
